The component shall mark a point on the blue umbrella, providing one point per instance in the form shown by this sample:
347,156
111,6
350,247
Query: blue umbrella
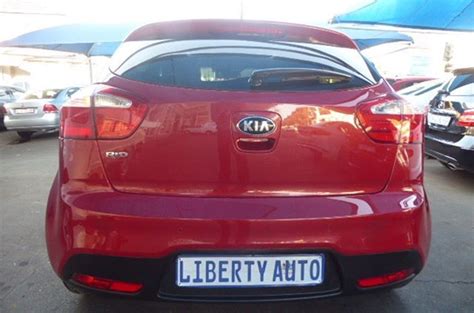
365,38
104,39
450,15
87,39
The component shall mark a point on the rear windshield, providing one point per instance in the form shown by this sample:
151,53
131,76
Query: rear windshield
421,88
42,94
465,90
425,90
239,64
459,81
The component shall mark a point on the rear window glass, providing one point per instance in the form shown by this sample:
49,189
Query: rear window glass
410,90
465,90
421,88
233,65
42,94
460,80
425,90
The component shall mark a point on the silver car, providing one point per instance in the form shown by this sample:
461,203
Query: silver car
37,110
8,94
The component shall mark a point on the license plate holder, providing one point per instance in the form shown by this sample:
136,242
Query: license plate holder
437,119
250,271
25,111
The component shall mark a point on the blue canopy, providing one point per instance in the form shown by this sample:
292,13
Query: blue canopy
451,15
104,39
369,38
87,39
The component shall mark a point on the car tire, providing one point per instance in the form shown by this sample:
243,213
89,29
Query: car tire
24,135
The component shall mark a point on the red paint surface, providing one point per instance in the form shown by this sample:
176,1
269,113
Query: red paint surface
186,184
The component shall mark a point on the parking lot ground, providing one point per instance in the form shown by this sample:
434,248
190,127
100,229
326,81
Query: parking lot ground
27,283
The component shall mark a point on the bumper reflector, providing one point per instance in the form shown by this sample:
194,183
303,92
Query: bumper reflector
384,279
107,284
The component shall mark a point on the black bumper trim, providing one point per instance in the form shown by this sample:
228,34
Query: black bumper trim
341,277
461,158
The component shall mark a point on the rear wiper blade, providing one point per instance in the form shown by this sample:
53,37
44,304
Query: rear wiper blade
290,75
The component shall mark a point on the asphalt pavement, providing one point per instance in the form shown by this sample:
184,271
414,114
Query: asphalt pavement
28,284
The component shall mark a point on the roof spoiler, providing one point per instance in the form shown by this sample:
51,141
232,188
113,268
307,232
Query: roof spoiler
227,29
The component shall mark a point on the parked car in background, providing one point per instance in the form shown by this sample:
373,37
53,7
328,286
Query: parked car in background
398,83
297,191
422,93
450,128
8,94
36,110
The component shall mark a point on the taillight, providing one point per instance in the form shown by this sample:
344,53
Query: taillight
385,279
50,108
77,120
466,119
101,112
116,114
107,284
392,120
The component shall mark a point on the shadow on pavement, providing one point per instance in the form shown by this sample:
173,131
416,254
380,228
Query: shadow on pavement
379,302
40,136
451,179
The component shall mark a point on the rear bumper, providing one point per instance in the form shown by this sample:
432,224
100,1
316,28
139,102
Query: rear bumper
130,237
47,121
157,276
460,153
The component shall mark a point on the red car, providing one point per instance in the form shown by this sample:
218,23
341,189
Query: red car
405,82
309,185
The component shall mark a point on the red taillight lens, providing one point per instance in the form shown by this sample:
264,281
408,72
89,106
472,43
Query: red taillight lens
466,119
107,284
77,121
115,115
384,279
392,120
100,112
50,108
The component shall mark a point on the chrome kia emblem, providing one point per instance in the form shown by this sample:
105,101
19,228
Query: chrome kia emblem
256,125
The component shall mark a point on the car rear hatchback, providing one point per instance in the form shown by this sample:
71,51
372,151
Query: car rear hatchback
450,128
238,161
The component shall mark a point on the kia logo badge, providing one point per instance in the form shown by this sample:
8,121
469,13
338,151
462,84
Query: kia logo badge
256,125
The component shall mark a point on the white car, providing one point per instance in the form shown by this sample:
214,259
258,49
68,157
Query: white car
421,94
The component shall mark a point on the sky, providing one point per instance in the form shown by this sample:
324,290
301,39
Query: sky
43,13
21,16
303,11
